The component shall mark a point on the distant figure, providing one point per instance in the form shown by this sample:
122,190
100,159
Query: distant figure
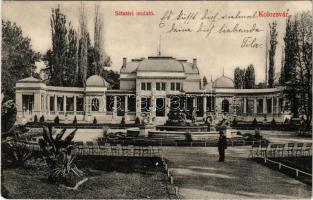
222,145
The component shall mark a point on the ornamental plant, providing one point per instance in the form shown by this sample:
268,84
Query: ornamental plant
57,153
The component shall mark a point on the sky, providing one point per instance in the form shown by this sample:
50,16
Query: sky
141,36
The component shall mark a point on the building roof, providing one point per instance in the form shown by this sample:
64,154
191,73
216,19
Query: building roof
189,68
208,87
159,64
96,81
223,82
30,79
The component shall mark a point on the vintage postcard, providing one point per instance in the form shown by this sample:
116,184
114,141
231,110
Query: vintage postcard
156,100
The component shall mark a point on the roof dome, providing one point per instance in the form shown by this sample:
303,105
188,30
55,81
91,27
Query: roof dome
223,82
96,81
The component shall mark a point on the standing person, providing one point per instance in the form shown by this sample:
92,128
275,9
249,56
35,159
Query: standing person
222,145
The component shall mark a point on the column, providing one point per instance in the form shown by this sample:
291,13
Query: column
138,106
204,106
194,102
115,107
277,105
244,105
284,105
64,104
104,104
55,105
48,104
75,104
255,109
264,106
126,106
167,105
272,106
19,106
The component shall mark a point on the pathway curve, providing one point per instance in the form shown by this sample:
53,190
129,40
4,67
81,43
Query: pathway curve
199,176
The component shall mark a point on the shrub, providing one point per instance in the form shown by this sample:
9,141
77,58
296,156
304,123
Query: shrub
57,153
123,121
15,155
188,137
95,120
12,153
137,121
35,119
75,120
234,123
257,135
57,120
273,122
254,122
286,121
42,119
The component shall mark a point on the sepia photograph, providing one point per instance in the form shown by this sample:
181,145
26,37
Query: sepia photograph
156,99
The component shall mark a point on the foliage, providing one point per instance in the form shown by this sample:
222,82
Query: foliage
95,121
42,119
56,57
8,112
272,51
297,69
123,121
249,77
244,78
273,122
254,122
239,78
234,123
15,154
35,119
112,78
57,153
17,58
75,120
57,120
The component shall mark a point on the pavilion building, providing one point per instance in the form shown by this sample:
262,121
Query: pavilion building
148,87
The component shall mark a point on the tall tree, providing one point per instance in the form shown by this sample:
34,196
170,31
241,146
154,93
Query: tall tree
298,64
71,68
239,78
249,77
83,46
57,55
17,58
17,62
272,51
304,64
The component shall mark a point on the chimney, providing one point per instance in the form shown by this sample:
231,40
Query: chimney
124,62
194,63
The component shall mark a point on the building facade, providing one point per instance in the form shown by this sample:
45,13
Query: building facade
149,87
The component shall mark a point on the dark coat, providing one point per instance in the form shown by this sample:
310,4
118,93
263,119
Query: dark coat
222,143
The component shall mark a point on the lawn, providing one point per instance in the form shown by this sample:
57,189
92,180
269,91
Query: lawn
142,179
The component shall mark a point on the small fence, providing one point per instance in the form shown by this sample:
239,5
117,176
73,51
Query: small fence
280,165
105,149
281,150
277,155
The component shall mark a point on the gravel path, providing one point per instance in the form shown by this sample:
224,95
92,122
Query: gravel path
199,175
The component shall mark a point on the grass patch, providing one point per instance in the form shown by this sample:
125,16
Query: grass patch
120,179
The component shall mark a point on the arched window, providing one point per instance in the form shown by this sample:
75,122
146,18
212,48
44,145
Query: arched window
95,104
225,106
